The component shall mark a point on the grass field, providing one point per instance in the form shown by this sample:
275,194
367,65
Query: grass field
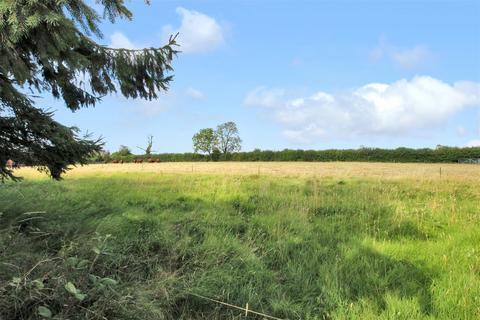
294,169
293,240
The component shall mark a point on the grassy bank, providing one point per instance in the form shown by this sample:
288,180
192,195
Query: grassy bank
144,245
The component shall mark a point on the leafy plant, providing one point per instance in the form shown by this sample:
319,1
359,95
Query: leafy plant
44,312
73,277
70,287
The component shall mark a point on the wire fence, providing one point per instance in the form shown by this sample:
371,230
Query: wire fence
245,309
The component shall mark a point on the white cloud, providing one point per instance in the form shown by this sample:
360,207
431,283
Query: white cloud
411,58
379,109
195,94
408,58
119,40
265,97
473,143
197,32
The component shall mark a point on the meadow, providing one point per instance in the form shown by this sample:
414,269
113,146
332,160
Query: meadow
293,240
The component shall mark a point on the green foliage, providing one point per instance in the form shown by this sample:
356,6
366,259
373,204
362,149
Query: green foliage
64,284
44,312
443,155
70,287
294,248
216,154
215,143
123,151
45,47
228,139
205,141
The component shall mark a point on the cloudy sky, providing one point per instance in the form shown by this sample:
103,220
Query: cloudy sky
302,74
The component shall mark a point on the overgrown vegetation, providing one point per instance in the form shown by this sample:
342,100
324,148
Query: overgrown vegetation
124,246
438,155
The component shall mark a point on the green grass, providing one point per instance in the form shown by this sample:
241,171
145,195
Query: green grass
290,247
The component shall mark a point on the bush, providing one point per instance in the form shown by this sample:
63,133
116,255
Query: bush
425,155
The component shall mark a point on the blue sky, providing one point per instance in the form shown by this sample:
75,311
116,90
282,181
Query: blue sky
301,74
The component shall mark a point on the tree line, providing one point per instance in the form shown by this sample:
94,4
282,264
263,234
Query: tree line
441,154
224,144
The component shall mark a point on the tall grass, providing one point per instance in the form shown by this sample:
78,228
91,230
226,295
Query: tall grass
291,247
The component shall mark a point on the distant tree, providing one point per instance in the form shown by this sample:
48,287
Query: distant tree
205,141
228,139
148,150
123,151
47,46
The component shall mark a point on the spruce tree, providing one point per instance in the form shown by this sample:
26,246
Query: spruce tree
48,46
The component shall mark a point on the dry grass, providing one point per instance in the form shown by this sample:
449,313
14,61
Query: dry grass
319,169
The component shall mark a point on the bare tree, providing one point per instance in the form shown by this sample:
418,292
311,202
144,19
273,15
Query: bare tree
148,150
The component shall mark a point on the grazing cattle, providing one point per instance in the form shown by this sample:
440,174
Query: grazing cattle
157,160
114,161
10,164
138,160
150,160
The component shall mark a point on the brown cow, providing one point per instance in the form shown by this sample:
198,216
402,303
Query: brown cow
158,160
